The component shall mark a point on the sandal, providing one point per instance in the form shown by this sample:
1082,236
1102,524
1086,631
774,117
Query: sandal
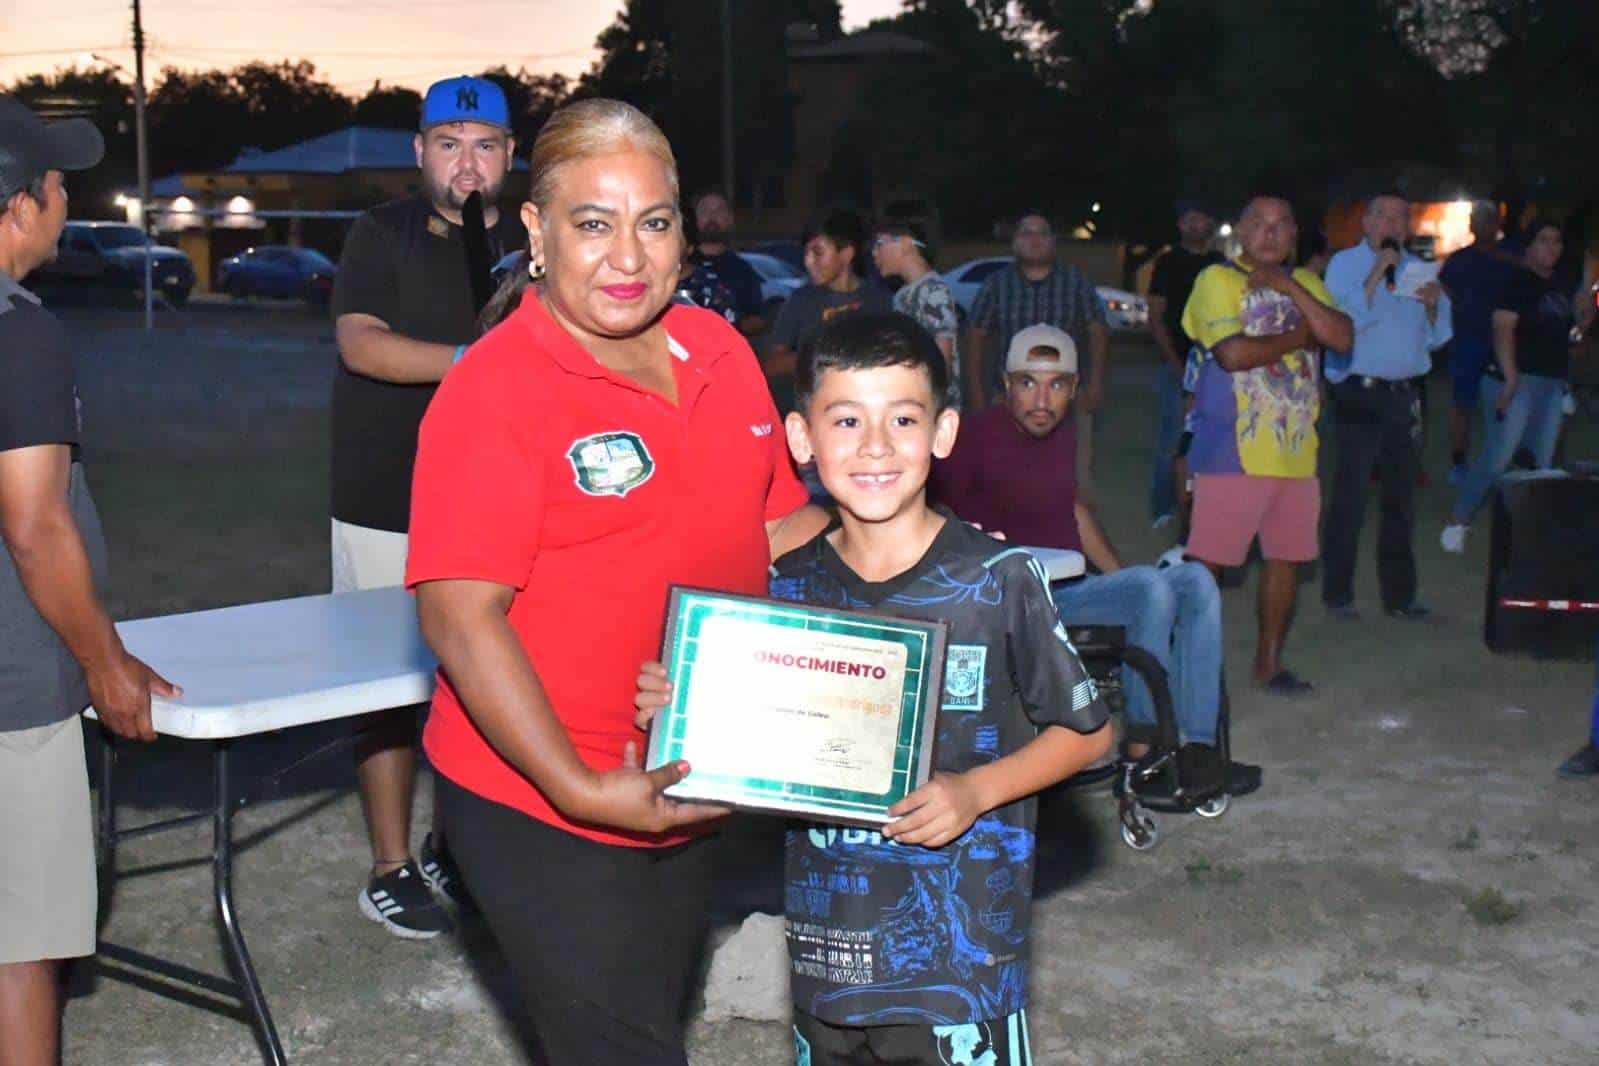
1288,683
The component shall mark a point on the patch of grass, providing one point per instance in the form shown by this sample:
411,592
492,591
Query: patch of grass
1201,871
1490,907
1470,840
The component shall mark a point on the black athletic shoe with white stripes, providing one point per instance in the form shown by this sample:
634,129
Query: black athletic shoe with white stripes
443,876
401,902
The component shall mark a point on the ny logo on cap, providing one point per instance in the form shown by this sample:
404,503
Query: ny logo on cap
466,98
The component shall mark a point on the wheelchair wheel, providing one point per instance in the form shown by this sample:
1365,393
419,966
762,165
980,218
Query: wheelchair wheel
1214,807
1140,831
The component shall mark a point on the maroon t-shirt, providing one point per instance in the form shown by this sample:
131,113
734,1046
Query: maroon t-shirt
1005,479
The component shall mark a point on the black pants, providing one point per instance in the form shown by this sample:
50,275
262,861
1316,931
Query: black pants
1378,428
603,941
1002,1042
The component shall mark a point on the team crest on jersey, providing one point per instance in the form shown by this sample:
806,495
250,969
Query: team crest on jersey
964,672
610,464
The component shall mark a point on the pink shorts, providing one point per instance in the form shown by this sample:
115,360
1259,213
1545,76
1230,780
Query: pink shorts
1231,509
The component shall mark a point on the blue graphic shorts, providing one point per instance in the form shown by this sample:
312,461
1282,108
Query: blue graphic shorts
1001,1042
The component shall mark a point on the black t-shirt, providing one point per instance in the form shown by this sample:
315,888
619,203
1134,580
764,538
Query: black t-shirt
881,933
405,264
732,270
1543,325
1173,278
803,315
40,681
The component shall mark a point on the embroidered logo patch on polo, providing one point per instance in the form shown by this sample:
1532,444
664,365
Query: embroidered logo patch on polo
965,667
610,464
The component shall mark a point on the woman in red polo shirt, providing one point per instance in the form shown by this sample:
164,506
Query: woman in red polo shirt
596,446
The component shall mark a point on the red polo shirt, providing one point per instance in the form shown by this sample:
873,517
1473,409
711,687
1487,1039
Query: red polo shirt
540,469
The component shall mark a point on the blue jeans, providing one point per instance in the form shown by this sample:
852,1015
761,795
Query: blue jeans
1175,615
1532,418
1168,427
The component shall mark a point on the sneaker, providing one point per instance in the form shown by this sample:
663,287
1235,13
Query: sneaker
1202,769
1453,538
1243,778
1174,556
443,876
1343,612
1410,612
1585,763
400,901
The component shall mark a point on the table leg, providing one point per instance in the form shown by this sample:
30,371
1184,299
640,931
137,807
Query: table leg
106,856
233,938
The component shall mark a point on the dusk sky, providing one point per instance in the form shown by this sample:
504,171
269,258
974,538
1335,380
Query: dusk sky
352,42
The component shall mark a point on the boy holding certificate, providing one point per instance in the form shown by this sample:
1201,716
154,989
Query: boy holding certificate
910,945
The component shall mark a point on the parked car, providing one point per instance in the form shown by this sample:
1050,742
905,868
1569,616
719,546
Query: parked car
790,252
111,255
778,279
1123,310
278,270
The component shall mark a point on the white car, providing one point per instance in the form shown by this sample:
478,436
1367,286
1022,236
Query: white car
1123,310
778,279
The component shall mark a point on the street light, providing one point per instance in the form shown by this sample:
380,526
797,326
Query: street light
142,148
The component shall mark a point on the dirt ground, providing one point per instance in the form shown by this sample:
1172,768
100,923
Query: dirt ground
1412,885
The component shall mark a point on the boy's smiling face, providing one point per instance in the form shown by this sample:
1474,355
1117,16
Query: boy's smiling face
874,434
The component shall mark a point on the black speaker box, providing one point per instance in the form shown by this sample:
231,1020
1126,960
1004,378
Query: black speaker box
1543,563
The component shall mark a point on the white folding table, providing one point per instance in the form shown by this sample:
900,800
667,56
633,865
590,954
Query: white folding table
251,669
262,667
1060,564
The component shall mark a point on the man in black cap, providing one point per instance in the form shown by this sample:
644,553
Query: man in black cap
404,309
59,651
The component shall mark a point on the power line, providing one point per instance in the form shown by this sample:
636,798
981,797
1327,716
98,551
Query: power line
64,51
489,55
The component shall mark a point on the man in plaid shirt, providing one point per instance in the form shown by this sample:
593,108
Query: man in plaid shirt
1039,288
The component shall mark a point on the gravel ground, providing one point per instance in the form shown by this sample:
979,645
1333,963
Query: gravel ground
1350,912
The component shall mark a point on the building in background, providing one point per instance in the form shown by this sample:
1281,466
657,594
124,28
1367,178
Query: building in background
305,194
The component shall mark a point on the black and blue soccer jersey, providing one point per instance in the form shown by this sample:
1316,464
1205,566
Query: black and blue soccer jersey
881,933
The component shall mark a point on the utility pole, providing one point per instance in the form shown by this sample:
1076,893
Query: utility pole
146,219
729,174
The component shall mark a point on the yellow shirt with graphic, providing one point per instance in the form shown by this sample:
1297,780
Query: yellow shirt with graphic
1260,421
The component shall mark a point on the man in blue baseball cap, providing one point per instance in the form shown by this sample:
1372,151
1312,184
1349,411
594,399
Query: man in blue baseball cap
404,307
465,143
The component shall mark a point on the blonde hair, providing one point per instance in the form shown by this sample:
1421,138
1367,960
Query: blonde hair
589,128
576,132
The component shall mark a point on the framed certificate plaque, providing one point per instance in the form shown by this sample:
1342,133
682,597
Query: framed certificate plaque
803,710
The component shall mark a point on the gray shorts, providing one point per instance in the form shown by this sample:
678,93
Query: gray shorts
48,893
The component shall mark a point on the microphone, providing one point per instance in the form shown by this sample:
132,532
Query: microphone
1390,245
475,241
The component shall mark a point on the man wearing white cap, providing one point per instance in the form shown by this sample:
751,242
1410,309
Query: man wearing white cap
1014,468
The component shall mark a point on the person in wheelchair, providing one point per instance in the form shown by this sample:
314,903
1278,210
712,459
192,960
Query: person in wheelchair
1013,468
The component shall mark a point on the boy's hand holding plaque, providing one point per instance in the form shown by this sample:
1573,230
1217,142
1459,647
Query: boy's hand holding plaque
782,707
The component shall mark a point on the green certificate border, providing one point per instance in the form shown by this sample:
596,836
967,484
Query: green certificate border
687,611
